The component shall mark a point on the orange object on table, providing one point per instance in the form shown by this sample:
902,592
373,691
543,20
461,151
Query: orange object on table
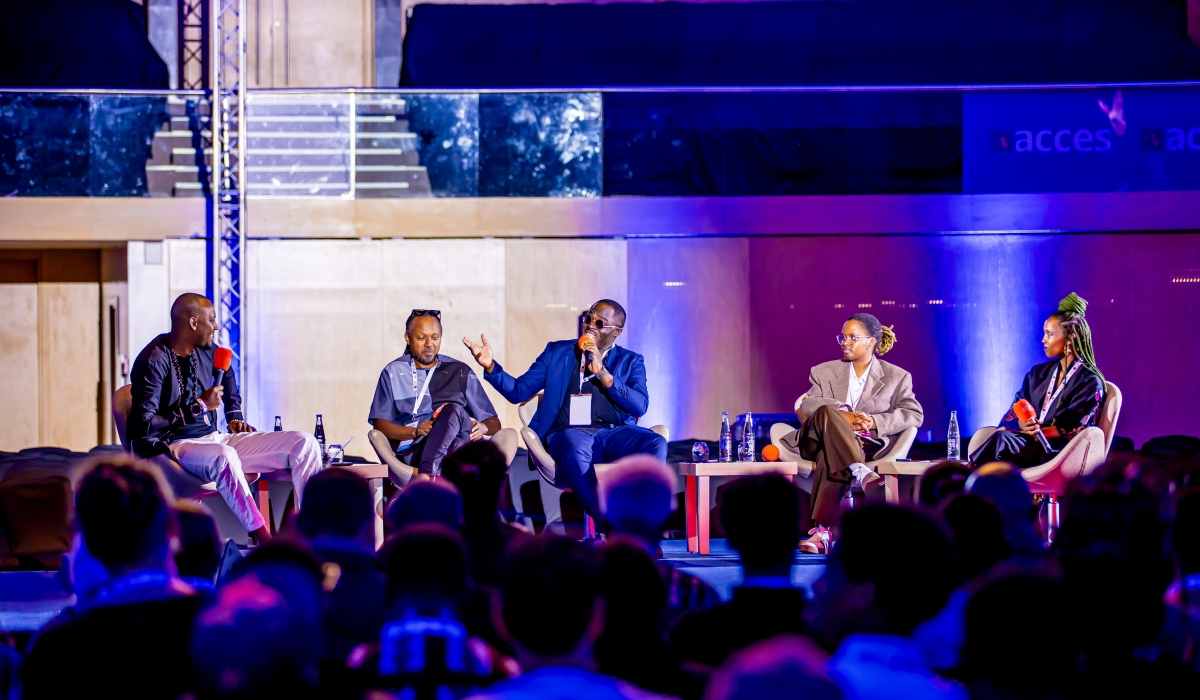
771,453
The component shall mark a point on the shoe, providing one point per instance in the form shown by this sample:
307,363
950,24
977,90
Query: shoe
868,480
819,543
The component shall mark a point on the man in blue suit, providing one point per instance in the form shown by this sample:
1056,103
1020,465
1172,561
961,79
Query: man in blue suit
593,394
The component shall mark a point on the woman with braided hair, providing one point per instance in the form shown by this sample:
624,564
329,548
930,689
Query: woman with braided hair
1067,393
856,407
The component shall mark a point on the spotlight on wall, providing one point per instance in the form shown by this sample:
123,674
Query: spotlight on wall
674,284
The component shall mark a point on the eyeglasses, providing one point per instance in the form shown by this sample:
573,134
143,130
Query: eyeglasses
841,339
598,324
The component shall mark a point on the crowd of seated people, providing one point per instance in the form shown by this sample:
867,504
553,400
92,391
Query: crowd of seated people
954,597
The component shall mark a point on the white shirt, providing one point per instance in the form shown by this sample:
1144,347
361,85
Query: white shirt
854,390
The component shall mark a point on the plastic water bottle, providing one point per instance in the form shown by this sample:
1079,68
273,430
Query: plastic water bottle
748,451
952,442
319,434
725,447
278,424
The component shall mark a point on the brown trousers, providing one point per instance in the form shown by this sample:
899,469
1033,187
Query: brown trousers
828,441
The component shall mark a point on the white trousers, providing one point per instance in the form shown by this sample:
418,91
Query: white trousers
224,459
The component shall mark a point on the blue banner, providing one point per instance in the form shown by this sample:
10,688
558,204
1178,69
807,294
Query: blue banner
1092,140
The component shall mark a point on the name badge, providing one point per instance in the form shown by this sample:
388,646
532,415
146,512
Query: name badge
581,409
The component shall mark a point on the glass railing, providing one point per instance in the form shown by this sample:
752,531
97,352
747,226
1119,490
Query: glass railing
646,142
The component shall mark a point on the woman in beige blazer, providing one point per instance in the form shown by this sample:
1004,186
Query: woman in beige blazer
857,405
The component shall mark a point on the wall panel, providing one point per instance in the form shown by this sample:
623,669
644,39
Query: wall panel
19,410
690,316
69,364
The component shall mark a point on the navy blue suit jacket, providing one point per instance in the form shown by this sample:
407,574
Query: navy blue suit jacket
552,373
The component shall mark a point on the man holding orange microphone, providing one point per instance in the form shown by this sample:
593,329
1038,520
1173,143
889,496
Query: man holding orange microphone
594,393
179,381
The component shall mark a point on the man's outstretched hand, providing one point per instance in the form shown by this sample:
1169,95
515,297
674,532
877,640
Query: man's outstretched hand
481,353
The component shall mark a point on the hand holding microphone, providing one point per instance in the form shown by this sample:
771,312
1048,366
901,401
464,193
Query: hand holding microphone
587,344
1027,415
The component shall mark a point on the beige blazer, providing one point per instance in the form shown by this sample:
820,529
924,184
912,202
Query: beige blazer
887,397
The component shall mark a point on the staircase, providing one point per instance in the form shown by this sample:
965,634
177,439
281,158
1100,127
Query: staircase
302,145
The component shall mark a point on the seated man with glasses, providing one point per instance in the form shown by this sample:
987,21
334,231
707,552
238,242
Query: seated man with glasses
427,404
594,392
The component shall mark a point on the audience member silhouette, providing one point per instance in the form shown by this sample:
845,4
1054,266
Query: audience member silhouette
426,502
424,649
479,472
874,594
291,568
1184,594
133,634
632,646
782,668
251,644
1003,485
553,613
338,520
637,497
199,554
1004,658
980,545
977,531
1117,567
942,481
761,517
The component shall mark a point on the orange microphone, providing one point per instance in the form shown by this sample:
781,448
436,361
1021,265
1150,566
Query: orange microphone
221,359
1025,413
583,341
771,453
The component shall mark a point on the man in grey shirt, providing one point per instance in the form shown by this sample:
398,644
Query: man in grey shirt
429,405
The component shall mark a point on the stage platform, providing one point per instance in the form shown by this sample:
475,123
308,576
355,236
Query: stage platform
29,598
720,568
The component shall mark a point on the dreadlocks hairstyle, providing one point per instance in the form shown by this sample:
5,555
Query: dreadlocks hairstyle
883,335
1070,317
418,313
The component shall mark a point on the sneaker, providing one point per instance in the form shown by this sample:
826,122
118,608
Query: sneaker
820,541
868,480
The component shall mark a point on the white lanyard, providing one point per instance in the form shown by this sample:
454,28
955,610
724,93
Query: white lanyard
1051,398
420,394
583,377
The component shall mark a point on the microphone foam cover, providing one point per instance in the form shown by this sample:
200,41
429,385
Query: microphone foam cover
221,358
771,453
584,339
1024,410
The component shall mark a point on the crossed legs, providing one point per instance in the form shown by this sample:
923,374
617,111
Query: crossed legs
225,458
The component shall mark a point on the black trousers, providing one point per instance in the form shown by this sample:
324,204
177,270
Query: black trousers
1018,449
451,430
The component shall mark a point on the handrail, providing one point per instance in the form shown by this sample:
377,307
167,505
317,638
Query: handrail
735,89
626,89
106,91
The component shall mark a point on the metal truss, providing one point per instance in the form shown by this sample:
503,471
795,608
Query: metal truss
226,240
193,68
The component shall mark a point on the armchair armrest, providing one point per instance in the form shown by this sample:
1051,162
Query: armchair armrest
979,438
401,473
538,456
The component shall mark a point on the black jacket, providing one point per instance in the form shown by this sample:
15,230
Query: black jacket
159,412
1077,407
